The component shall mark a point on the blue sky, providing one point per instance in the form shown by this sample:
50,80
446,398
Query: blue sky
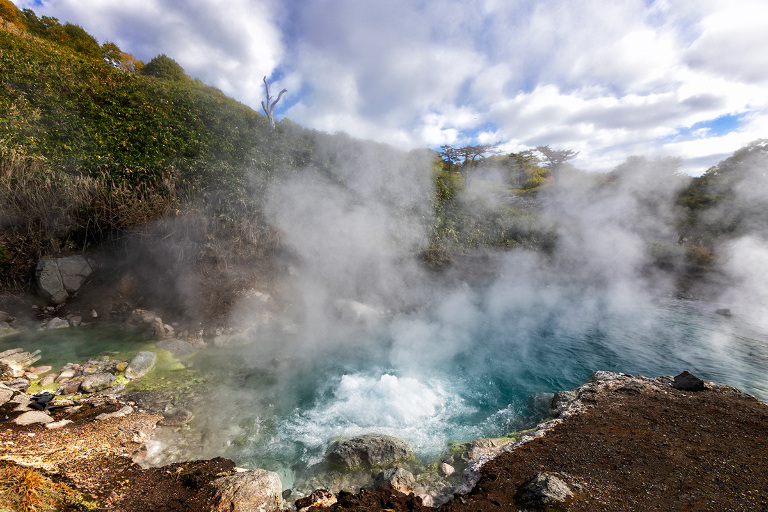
608,78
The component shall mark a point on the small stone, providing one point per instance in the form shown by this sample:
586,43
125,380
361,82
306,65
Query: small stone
56,323
19,384
125,411
175,417
40,369
320,498
446,469
76,320
141,364
543,489
66,374
395,479
94,314
121,366
97,382
69,387
30,417
58,424
5,395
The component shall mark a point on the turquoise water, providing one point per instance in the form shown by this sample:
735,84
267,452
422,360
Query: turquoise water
470,366
71,345
442,376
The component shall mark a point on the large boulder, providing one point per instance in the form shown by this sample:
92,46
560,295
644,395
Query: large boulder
140,365
368,450
58,278
250,491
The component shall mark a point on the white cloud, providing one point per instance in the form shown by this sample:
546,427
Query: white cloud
607,78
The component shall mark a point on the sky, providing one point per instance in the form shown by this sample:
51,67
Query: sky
607,78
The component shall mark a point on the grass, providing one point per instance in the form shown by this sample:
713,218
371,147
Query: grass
30,490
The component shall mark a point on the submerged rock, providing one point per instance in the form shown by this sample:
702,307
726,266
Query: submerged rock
250,491
368,450
320,498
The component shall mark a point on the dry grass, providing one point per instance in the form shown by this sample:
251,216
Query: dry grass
29,490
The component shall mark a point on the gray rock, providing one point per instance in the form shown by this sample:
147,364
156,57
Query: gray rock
31,417
57,278
125,411
140,365
97,382
18,384
446,469
5,395
688,382
56,323
58,424
175,417
177,347
543,489
368,450
47,380
250,491
395,479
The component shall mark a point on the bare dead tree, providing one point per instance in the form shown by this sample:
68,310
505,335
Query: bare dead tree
555,158
269,108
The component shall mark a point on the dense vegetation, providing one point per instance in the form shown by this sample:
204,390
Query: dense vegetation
97,147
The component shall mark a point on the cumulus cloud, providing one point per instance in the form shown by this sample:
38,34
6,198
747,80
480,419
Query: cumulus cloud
607,78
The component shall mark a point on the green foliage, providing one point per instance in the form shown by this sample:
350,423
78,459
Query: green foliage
164,67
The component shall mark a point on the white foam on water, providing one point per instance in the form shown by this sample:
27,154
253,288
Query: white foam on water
420,413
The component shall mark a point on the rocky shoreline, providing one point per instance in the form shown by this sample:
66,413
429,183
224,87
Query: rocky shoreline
98,441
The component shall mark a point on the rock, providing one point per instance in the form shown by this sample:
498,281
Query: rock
688,382
542,490
177,347
75,320
69,387
66,374
30,417
141,364
5,317
320,498
368,450
125,411
175,417
395,479
97,382
14,362
141,319
723,312
40,369
58,424
5,395
47,380
446,469
5,328
351,310
57,278
155,331
251,491
56,323
18,384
